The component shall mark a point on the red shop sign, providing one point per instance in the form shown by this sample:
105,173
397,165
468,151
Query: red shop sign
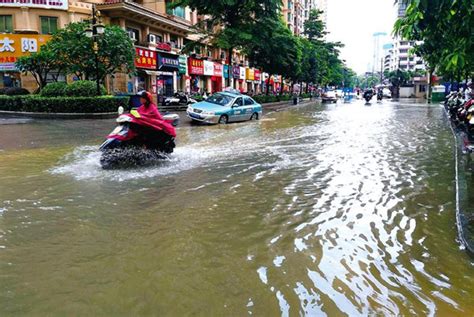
196,66
257,75
218,70
145,58
163,46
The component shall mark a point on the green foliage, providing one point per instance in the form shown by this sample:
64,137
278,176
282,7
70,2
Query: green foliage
41,64
16,91
83,88
71,52
445,29
62,104
275,49
55,89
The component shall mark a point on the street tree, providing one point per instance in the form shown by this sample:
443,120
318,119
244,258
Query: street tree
41,65
444,31
275,49
229,24
115,51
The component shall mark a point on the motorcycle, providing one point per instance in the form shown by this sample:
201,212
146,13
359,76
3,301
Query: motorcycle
368,96
179,99
379,95
138,141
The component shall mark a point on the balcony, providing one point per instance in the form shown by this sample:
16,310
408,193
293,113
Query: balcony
133,11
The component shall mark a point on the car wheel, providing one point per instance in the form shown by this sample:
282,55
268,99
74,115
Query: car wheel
224,119
254,116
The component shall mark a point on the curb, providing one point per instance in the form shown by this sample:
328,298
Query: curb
54,115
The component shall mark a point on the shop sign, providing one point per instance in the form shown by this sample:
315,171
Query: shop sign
242,73
258,75
225,71
196,66
168,62
208,68
44,4
145,58
218,70
13,46
161,46
183,65
236,72
250,74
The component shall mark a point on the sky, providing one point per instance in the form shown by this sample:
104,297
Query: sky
353,22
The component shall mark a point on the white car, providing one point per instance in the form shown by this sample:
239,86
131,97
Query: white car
387,93
339,93
329,96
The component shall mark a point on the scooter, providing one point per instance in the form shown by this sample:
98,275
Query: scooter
138,141
179,99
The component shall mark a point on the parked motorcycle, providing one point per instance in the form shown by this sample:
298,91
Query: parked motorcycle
179,99
138,141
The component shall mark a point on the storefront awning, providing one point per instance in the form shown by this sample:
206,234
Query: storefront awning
152,72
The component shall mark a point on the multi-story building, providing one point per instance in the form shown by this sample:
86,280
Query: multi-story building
296,12
25,25
158,32
400,56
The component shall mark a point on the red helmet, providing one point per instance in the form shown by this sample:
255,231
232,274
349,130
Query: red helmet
146,95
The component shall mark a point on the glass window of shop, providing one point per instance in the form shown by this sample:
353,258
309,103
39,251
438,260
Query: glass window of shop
49,25
6,24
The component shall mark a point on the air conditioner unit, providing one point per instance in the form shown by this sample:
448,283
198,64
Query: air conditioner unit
152,38
132,36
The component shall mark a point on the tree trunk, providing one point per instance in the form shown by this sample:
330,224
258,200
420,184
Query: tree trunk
430,85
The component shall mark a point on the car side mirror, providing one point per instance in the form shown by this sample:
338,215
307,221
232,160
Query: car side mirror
120,110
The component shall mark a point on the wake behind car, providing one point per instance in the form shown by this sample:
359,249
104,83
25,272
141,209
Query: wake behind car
225,107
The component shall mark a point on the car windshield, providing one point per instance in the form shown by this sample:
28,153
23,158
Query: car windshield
219,99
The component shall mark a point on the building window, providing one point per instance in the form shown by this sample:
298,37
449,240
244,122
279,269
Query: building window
174,41
6,24
178,11
134,34
49,25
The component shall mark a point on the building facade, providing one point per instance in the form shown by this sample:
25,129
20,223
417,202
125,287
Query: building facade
296,12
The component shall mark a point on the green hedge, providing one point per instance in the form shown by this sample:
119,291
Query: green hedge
54,89
62,104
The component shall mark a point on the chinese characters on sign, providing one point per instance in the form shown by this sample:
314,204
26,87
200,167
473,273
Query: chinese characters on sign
168,62
13,46
47,4
196,66
145,58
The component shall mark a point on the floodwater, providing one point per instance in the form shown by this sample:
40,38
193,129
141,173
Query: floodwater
319,210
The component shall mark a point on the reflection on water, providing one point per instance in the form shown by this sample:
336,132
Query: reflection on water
321,210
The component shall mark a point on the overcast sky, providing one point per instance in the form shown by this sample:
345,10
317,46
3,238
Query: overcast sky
354,23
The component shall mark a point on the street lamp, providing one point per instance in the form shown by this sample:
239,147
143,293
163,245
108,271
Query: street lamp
95,30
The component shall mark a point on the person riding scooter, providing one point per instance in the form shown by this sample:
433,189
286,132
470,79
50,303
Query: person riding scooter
368,94
379,94
147,107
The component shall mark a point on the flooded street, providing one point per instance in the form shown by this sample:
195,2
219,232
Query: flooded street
319,210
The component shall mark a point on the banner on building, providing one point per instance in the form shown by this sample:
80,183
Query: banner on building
236,72
242,73
250,74
195,66
218,68
208,68
183,65
43,4
13,46
257,75
145,58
